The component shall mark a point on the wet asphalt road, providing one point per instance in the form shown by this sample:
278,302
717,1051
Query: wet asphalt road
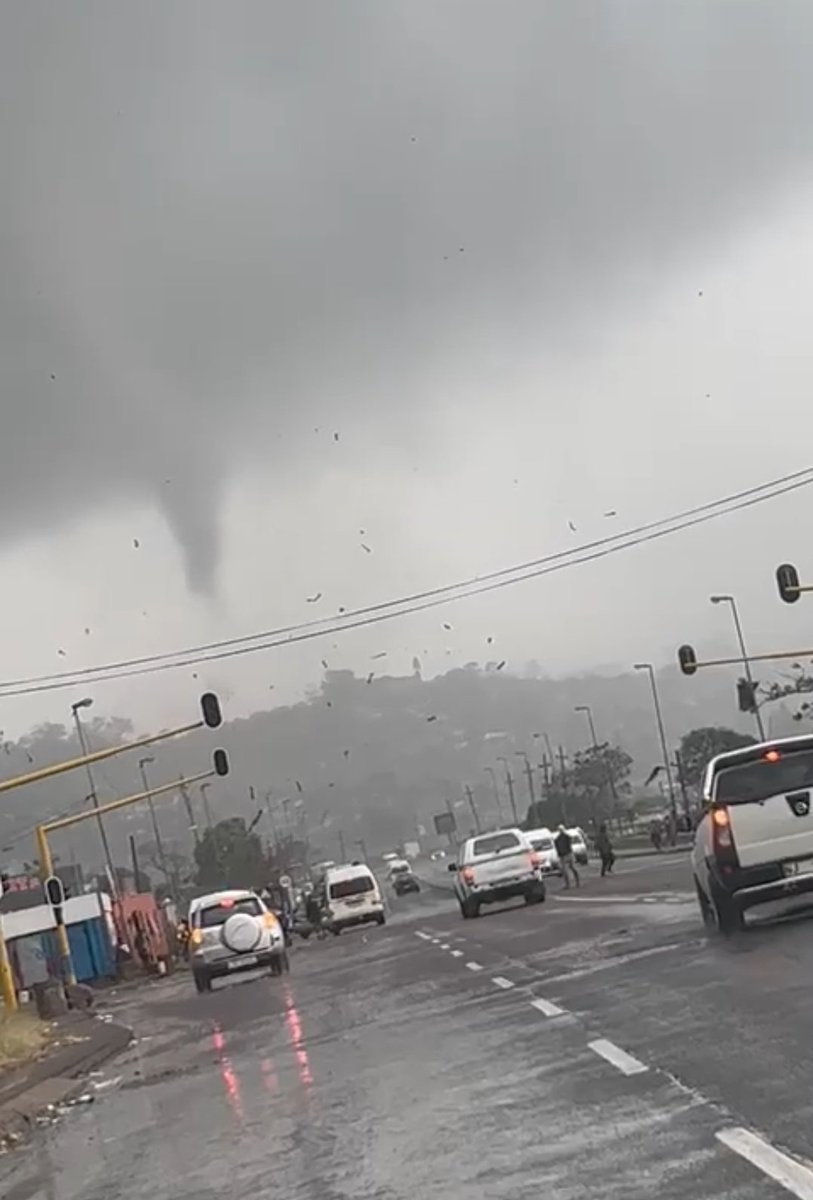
598,1045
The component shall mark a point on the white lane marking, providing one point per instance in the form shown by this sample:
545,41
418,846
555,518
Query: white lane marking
786,1171
502,982
423,936
474,966
435,941
547,1007
636,898
620,960
618,1057
457,954
444,945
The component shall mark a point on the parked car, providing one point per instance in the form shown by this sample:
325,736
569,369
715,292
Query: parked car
754,842
230,932
542,842
497,866
353,897
580,851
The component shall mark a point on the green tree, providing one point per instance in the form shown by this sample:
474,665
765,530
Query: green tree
584,796
229,856
700,745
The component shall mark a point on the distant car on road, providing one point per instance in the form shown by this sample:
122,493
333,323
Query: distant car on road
403,879
754,842
230,932
436,855
542,842
580,851
353,897
497,866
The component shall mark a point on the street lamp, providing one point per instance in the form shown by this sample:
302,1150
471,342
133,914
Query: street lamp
94,795
510,781
746,662
648,667
490,771
143,763
587,710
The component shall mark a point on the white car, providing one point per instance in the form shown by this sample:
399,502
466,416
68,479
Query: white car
353,897
233,931
497,866
542,842
580,852
754,842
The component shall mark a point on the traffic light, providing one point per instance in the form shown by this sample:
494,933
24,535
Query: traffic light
687,659
55,895
746,696
210,707
221,762
787,580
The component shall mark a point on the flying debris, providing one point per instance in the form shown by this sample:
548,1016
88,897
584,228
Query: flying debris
382,654
433,718
313,599
611,512
500,665
446,625
370,677
366,548
324,663
346,753
572,526
335,437
61,653
136,543
298,785
489,640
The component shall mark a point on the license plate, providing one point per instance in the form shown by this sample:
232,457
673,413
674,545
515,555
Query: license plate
354,903
800,867
248,961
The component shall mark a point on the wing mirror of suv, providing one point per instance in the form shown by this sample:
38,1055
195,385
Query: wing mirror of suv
452,867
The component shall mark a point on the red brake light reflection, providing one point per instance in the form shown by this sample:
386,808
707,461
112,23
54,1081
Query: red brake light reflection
771,756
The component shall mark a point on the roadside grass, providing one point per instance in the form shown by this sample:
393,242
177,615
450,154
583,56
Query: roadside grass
22,1037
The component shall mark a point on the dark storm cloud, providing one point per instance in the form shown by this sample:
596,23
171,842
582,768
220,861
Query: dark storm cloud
223,218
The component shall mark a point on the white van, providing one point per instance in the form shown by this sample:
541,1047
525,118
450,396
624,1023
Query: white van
353,897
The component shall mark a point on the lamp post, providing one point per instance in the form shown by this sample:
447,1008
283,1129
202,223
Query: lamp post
94,795
746,662
650,670
204,789
529,775
490,771
587,710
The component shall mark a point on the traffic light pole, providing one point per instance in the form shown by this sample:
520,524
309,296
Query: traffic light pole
46,861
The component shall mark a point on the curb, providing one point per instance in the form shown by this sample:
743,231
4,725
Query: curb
32,1090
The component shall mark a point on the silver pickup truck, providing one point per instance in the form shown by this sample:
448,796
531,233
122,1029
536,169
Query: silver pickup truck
494,867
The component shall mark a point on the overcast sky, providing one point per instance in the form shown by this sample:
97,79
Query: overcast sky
283,281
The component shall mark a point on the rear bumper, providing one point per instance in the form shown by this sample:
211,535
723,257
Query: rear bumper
751,886
365,918
495,892
237,964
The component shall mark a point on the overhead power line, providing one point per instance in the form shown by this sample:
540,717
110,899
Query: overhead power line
417,601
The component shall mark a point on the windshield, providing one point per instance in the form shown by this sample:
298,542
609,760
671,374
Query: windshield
356,886
494,844
218,914
748,783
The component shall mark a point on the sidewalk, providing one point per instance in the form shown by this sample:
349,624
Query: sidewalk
80,1044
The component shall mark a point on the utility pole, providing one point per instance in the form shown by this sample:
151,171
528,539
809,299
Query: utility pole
190,814
529,775
490,771
159,845
207,812
510,782
587,710
746,662
545,767
473,807
656,702
136,870
562,766
363,848
687,808
342,848
94,795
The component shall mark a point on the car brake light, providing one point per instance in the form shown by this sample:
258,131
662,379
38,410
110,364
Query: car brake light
196,937
227,902
467,875
771,756
721,824
536,859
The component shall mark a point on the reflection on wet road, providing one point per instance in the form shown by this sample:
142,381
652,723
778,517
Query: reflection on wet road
599,1045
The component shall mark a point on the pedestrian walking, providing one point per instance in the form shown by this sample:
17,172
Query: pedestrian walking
563,844
604,846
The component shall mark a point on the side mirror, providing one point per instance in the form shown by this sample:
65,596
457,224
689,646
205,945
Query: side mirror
452,867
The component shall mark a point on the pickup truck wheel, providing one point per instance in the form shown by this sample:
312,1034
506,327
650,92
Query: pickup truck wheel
203,982
471,907
535,895
464,912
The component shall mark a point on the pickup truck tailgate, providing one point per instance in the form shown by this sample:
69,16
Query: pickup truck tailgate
509,864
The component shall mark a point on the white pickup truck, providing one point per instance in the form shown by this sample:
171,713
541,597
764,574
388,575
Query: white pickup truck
497,866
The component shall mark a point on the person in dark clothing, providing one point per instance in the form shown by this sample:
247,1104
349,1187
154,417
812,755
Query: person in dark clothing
563,844
605,849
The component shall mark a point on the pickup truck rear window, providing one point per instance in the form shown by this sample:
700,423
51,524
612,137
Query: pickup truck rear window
494,843
542,844
749,783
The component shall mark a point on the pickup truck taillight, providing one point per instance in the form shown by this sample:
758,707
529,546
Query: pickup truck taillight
722,837
535,859
467,875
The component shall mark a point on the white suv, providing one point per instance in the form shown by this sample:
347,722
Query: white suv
755,840
231,932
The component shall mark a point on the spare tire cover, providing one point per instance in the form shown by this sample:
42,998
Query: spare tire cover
241,933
